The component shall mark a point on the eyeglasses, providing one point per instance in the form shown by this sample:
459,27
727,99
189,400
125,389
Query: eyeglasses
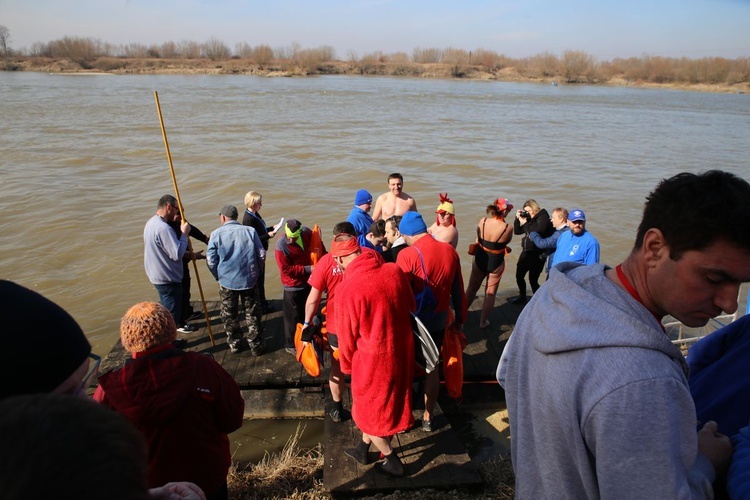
94,362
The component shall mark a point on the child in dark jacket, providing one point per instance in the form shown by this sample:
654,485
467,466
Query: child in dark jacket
184,403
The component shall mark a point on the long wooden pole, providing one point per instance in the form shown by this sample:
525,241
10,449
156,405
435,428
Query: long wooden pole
182,214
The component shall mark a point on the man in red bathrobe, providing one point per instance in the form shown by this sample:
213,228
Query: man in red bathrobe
373,317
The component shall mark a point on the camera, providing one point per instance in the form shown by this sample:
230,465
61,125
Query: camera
524,214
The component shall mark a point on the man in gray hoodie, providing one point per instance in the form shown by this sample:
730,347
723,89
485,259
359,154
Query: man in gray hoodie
597,394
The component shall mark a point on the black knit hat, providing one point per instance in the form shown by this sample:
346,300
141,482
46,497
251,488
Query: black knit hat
42,345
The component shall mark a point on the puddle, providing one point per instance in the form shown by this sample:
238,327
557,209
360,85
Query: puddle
256,437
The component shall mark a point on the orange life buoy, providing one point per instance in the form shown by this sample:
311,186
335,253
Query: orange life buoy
452,350
317,249
310,355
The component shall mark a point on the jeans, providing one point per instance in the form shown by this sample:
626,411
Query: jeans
170,296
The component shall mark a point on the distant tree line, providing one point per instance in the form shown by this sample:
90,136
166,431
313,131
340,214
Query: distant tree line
572,66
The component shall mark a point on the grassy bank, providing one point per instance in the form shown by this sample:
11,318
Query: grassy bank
507,71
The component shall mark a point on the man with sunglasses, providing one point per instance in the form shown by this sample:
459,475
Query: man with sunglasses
444,228
162,257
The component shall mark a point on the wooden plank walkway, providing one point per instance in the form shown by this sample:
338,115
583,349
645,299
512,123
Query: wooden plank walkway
274,385
435,460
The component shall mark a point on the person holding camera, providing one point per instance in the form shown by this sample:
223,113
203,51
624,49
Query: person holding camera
531,261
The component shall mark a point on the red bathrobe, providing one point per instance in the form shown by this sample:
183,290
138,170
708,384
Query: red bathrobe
373,305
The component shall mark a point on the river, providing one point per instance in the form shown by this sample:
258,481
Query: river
83,162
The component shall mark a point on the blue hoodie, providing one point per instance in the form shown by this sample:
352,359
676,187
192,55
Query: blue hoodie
597,397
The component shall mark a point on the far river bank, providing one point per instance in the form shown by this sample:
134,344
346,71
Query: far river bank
436,71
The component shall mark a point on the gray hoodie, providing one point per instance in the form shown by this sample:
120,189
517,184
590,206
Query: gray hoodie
597,397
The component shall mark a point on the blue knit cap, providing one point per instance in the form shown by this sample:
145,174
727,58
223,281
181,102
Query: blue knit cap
412,223
362,197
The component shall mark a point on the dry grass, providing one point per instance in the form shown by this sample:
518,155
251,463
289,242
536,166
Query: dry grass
292,473
297,474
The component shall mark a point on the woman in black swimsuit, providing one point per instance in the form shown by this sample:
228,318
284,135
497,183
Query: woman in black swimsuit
493,235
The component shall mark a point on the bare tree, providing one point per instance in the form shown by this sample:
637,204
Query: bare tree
577,66
455,56
189,49
216,50
262,55
426,56
40,49
77,49
169,50
135,51
243,50
4,40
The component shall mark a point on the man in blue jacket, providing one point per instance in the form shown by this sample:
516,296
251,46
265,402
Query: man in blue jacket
360,214
577,245
233,256
559,220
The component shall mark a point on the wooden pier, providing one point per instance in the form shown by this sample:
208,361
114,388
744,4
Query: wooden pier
275,385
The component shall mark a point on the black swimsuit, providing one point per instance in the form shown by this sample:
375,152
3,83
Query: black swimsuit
490,255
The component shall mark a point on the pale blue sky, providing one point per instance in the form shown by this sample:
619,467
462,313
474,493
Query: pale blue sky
516,28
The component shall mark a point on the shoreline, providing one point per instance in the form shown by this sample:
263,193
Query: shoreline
437,71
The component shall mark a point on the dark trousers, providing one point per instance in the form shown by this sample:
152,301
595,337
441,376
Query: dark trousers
187,309
294,312
262,282
532,263
170,296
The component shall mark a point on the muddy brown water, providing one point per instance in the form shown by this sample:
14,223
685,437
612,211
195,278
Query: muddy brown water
82,163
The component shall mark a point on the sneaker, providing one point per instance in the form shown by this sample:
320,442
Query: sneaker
187,329
235,347
179,343
291,350
427,425
518,300
335,415
258,349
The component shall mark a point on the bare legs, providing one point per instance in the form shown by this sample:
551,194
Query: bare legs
475,281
